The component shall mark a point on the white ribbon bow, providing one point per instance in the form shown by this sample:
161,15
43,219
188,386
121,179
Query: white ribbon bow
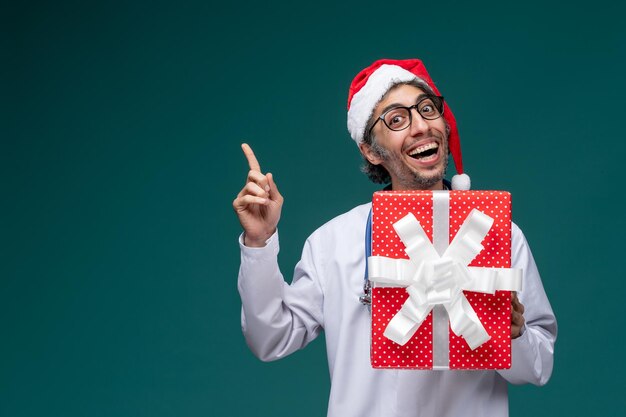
432,279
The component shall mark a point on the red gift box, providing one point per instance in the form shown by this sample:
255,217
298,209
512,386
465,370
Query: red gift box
493,310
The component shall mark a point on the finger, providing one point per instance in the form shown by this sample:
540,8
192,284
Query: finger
252,161
260,179
516,304
253,188
518,308
275,195
241,203
516,331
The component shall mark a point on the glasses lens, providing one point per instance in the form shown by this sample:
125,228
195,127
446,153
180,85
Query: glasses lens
397,119
431,108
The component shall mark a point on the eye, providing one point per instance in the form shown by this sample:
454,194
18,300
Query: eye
396,118
428,109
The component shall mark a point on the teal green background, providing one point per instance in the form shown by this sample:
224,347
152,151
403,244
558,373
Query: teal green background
121,125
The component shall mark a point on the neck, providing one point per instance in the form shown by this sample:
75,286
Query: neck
399,187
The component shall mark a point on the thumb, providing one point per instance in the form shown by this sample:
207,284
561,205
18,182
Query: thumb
274,193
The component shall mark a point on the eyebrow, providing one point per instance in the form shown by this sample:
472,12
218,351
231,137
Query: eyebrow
394,105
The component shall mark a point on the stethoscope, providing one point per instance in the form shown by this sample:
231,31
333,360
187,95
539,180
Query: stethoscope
366,298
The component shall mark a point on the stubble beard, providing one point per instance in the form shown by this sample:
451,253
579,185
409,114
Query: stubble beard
406,177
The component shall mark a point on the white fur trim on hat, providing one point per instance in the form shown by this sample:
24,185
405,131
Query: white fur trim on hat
364,101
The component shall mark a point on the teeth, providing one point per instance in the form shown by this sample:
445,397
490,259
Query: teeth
424,148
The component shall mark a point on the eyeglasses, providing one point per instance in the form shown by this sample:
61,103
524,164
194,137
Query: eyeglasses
399,118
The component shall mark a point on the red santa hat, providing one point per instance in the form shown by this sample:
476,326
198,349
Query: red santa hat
372,83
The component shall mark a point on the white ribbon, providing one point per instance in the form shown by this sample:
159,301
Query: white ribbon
431,279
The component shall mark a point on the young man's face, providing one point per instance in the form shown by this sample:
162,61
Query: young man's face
416,157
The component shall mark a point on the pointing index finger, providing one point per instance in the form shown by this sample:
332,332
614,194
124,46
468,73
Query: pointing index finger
252,161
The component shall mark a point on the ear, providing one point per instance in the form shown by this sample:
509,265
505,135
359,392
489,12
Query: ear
369,154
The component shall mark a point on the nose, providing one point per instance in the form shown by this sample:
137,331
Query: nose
419,125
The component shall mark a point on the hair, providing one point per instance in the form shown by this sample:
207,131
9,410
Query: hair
377,173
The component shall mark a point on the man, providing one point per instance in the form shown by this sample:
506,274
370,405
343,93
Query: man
404,130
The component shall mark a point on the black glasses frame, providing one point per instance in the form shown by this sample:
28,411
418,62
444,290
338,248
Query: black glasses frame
439,107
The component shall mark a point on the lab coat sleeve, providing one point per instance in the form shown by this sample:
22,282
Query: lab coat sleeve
532,352
278,319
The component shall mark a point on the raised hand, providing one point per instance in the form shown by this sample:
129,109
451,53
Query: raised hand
258,204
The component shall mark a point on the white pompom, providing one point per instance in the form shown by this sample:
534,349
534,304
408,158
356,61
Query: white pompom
461,182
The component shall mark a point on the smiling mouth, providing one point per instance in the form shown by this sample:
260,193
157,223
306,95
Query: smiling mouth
424,151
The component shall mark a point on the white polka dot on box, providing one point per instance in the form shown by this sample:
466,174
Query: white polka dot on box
493,310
